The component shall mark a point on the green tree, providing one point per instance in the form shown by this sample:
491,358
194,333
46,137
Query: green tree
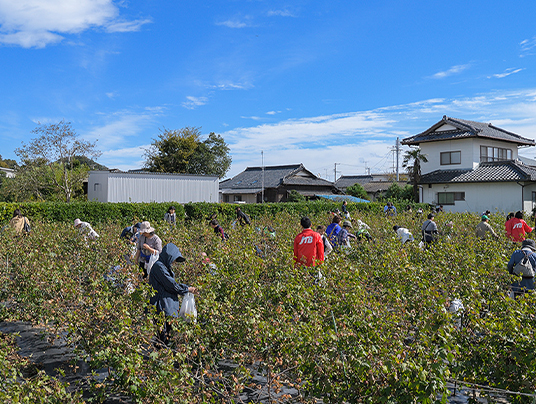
182,151
412,163
295,196
358,191
49,165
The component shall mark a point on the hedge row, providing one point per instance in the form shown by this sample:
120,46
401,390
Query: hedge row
97,212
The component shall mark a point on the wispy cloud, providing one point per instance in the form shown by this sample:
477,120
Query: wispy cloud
38,23
370,135
506,73
280,13
273,112
194,102
233,24
452,71
528,46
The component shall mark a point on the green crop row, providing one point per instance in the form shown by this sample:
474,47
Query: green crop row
125,213
375,329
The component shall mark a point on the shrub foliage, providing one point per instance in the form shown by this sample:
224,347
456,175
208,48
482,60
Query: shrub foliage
375,329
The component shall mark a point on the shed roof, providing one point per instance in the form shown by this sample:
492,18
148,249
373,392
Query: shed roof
496,171
466,129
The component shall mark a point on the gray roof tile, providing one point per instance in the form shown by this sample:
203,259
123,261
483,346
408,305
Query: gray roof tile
466,129
497,171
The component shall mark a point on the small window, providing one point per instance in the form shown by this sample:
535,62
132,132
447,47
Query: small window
448,198
237,198
448,158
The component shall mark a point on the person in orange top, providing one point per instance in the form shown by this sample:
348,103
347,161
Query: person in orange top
517,228
308,246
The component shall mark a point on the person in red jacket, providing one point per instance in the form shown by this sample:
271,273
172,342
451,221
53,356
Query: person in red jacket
517,228
308,246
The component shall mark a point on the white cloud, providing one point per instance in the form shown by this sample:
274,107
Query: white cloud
38,23
194,102
506,73
528,46
128,158
280,13
452,71
233,24
352,138
273,112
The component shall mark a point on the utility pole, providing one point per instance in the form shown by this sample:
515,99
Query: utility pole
397,148
262,189
335,171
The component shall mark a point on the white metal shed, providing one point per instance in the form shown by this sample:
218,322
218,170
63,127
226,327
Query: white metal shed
108,186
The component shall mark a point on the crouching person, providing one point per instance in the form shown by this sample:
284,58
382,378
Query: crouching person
523,264
162,279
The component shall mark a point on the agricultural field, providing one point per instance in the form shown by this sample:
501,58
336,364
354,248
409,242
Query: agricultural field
375,329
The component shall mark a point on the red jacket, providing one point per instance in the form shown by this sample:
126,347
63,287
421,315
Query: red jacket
308,248
516,229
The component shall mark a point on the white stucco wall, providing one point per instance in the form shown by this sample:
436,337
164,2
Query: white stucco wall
469,148
495,196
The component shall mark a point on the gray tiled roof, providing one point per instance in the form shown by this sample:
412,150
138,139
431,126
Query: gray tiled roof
274,176
346,181
466,129
497,171
380,186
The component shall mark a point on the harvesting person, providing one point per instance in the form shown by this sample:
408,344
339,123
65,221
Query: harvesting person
327,245
389,210
483,228
345,210
86,230
523,264
218,230
162,279
308,246
517,228
333,230
403,234
429,230
171,216
148,243
130,232
19,223
344,236
242,217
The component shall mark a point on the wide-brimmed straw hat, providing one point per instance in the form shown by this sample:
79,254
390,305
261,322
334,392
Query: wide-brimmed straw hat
77,222
346,223
145,227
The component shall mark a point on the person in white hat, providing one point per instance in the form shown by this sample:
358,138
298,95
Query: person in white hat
85,229
148,244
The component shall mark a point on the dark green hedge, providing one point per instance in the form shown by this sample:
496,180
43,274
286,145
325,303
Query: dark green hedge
97,212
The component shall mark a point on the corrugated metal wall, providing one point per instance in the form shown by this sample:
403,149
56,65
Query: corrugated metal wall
130,187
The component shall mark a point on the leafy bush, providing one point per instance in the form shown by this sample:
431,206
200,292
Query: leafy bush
376,329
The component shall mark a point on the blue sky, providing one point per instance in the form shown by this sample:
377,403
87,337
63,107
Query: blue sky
316,82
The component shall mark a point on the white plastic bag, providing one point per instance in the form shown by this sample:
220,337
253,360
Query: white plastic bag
152,260
188,311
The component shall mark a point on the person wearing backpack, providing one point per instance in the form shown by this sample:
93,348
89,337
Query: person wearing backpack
241,217
429,229
523,264
19,223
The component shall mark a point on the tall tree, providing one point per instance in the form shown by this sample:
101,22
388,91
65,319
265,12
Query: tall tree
182,151
358,191
48,162
412,163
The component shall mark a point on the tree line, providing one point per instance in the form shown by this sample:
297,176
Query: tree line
54,165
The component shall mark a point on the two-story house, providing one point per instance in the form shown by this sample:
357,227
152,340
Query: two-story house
474,166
